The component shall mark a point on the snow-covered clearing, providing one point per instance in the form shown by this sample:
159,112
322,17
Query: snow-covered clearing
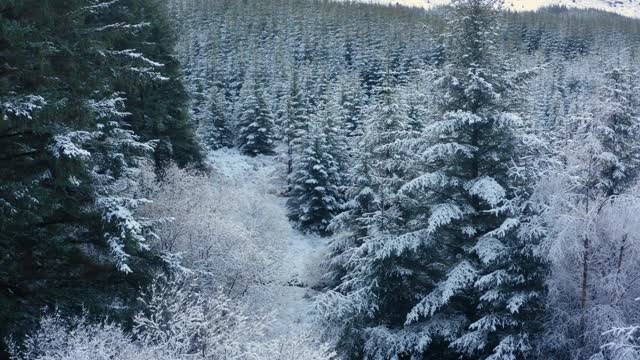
288,301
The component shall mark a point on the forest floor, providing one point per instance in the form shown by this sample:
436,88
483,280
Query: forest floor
289,302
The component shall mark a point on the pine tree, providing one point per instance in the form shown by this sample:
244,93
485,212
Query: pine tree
69,220
484,281
214,129
313,199
367,270
255,125
297,121
352,102
618,132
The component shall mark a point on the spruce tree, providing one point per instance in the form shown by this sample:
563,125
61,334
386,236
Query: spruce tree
369,288
313,199
352,102
485,282
68,199
214,128
297,121
255,125
333,123
157,100
618,131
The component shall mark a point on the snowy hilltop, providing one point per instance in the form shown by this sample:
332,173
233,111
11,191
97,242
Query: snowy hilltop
629,8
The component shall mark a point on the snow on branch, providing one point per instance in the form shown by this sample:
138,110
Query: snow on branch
134,55
471,342
459,278
511,348
463,118
68,146
447,150
506,227
123,26
429,182
517,300
385,343
109,108
489,249
388,246
149,72
123,227
492,280
21,106
443,214
487,189
625,343
98,5
509,120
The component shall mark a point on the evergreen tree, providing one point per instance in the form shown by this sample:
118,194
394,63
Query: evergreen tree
485,281
334,128
369,287
297,121
313,199
68,200
157,100
255,124
352,102
618,131
214,128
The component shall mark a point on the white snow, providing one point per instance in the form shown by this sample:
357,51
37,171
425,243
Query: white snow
289,302
630,8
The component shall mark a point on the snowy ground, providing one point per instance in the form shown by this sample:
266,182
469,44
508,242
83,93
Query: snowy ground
289,302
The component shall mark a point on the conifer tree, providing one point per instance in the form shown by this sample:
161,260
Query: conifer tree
156,99
369,281
314,197
486,283
214,129
331,115
297,121
352,102
619,131
256,131
69,221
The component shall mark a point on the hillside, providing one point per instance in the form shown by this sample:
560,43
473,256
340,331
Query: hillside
629,8
318,180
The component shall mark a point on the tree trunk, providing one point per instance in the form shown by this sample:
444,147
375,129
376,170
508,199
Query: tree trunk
585,273
621,254
289,159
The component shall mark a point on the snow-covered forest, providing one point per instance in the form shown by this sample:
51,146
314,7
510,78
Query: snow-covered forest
318,180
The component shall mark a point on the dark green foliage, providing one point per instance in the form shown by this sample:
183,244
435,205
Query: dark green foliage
158,107
82,88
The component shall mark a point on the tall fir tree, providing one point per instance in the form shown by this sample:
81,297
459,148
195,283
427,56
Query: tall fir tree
352,102
314,197
214,128
256,133
618,131
297,121
485,283
368,273
69,222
